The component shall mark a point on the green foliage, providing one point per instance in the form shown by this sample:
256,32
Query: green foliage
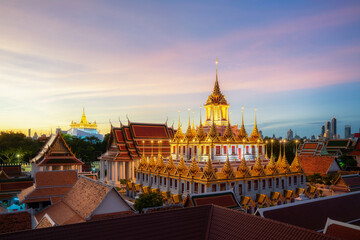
16,147
151,199
124,181
87,149
317,178
346,161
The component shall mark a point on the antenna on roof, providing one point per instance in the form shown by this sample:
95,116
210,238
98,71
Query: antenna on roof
110,122
167,118
172,125
128,119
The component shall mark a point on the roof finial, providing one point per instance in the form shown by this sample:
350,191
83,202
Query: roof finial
189,117
179,117
242,115
216,62
255,116
200,116
83,111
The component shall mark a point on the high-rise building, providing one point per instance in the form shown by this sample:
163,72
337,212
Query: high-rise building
29,133
322,130
347,131
290,134
333,128
327,129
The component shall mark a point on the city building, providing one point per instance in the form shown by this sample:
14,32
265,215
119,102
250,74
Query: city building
204,162
201,223
347,131
84,128
322,131
126,143
333,128
290,134
55,155
328,133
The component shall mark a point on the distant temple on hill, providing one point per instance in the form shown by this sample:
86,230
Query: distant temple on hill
214,156
84,128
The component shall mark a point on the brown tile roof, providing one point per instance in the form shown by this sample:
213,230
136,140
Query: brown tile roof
55,178
310,145
86,195
204,222
47,185
316,164
45,222
11,170
15,221
312,214
61,214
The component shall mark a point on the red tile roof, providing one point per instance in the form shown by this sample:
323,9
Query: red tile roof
224,199
313,214
15,221
316,164
204,222
310,145
55,178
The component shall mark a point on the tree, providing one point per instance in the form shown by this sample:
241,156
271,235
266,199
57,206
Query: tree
347,161
16,147
146,200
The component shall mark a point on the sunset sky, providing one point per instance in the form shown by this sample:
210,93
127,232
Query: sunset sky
297,62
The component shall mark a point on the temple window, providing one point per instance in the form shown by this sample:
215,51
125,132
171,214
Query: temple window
233,150
164,181
160,181
202,150
270,182
256,184
218,150
277,182
240,189
207,149
175,184
184,149
147,177
202,188
214,188
302,179
263,184
232,184
173,149
283,184
155,178
187,186
260,149
247,149
171,182
179,150
295,180
225,150
222,186
289,181
253,149
196,188
195,149
249,185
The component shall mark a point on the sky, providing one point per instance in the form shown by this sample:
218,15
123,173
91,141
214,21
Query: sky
297,62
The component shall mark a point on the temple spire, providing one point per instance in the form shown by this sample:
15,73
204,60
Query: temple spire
242,134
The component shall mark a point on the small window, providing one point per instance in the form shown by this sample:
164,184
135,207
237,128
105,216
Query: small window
214,187
302,179
222,186
175,184
171,181
207,149
289,181
295,180
249,185
277,182
225,150
256,184
188,186
233,150
218,150
240,189
263,184
160,181
270,182
247,149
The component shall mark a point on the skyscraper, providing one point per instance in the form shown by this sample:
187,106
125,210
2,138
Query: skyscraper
347,131
328,130
322,130
290,134
333,128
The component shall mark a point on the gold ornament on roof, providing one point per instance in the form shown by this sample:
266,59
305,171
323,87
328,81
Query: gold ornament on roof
271,168
296,165
243,169
83,123
216,97
181,167
179,134
257,169
227,169
255,135
193,168
170,166
189,133
213,134
200,133
242,134
209,172
228,134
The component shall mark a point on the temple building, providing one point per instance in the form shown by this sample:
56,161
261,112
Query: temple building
84,128
125,146
55,155
217,156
